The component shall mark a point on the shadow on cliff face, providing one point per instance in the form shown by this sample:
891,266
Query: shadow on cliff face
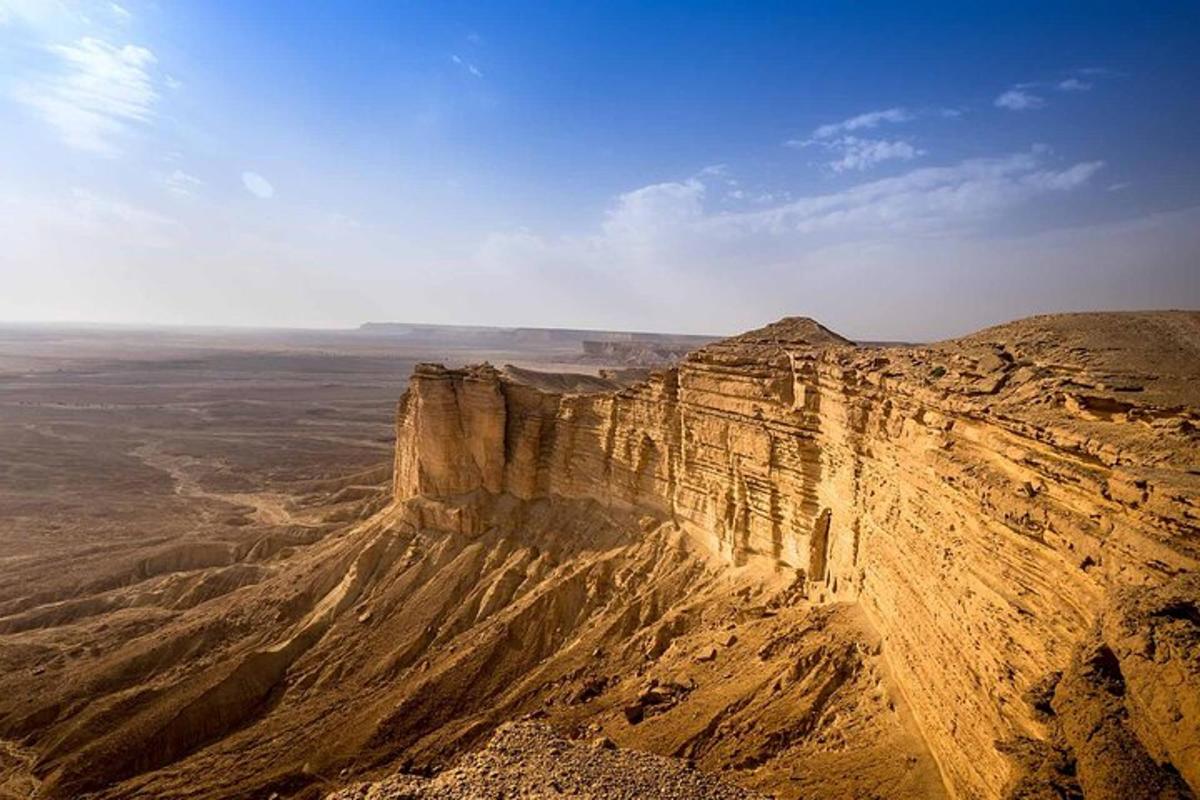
1123,720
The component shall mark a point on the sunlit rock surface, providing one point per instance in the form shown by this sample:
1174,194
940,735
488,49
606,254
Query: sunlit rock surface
982,500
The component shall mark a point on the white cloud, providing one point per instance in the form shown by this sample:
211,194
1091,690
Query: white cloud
468,66
1073,85
100,92
182,184
120,12
41,15
756,198
929,198
640,215
859,154
926,199
674,239
854,152
257,185
666,226
871,119
1018,99
1021,97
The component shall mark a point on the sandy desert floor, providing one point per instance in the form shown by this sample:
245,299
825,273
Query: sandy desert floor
115,440
128,455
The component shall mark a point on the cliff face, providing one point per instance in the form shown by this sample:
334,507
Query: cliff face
983,501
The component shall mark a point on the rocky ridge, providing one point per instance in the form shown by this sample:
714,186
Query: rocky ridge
981,500
814,569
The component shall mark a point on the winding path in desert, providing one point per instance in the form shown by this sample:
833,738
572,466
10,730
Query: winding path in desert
269,507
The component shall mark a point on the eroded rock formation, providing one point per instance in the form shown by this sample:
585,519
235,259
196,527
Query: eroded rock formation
817,569
981,500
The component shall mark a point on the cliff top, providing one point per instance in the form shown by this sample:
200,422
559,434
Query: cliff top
1144,357
561,382
1117,359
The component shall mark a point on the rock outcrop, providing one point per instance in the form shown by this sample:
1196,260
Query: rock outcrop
981,500
815,569
527,759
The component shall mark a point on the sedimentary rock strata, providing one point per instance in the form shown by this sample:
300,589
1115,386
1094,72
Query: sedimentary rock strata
815,569
981,500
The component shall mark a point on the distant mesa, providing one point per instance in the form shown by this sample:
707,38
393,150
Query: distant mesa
549,336
627,348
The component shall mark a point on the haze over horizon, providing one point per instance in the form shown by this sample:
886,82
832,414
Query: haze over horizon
894,174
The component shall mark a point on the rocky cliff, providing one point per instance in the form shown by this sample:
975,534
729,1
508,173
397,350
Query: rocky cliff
991,504
812,569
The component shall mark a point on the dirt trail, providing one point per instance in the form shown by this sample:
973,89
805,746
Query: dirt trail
269,507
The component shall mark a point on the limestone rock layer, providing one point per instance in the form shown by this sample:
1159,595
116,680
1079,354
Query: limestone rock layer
983,501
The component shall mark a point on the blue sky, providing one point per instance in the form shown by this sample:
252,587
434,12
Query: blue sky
910,171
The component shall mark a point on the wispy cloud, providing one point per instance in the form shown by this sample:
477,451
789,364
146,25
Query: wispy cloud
929,198
1073,85
182,184
41,15
257,185
871,119
676,238
467,65
860,154
1023,96
1019,99
98,93
668,226
857,153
